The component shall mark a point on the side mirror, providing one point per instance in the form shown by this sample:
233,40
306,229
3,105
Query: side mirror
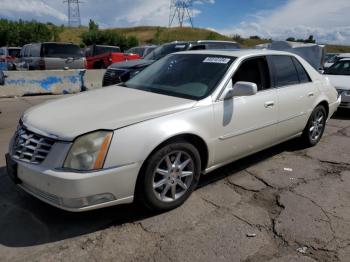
240,89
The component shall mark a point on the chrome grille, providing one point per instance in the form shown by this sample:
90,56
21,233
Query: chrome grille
112,76
30,147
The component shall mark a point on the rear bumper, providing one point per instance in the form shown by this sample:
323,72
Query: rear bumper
333,107
79,192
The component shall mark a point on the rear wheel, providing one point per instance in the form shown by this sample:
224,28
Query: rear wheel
171,174
315,127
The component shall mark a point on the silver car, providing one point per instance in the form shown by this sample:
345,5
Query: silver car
51,56
152,138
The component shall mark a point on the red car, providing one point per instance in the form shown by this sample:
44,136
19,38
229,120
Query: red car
8,56
102,56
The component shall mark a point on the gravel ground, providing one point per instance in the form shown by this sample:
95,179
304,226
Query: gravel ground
285,204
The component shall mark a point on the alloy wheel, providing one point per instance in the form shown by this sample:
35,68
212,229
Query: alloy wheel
173,176
317,125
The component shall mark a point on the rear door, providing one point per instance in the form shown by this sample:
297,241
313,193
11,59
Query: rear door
247,124
296,94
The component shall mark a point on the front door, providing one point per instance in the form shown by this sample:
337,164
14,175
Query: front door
246,124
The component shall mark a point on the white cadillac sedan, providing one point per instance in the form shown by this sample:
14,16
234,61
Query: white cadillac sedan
152,137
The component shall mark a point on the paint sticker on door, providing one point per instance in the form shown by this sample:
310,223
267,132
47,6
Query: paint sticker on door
217,60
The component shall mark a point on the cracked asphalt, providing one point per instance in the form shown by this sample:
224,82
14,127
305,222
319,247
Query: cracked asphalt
262,208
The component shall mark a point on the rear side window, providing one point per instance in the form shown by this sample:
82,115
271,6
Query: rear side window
14,52
284,71
303,75
2,51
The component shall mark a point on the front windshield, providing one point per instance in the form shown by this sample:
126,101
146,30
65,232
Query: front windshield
166,49
339,68
192,76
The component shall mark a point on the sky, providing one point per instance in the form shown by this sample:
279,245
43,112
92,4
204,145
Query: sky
327,20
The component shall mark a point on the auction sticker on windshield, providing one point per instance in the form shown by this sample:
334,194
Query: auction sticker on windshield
217,60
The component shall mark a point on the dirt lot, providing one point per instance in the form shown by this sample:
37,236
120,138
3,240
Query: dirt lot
263,208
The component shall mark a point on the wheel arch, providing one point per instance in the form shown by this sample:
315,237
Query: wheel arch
325,104
193,139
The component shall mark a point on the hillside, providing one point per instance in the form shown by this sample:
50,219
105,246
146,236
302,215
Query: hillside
159,35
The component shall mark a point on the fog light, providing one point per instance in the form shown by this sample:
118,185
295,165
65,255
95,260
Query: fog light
87,201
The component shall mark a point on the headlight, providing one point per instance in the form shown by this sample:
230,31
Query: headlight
89,151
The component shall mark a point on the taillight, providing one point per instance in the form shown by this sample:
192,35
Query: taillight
42,65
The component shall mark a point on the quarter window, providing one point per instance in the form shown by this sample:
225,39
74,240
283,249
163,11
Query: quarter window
285,71
255,71
303,75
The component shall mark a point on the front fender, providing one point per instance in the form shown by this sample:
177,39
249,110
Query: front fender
135,143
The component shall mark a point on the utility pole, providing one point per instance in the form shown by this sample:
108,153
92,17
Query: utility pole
74,19
181,10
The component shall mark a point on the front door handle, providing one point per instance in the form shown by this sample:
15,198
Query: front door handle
311,94
269,104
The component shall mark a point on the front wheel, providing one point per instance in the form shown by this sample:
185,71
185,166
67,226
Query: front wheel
170,176
315,127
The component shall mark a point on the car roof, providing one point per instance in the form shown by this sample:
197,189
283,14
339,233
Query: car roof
216,41
344,59
344,55
238,52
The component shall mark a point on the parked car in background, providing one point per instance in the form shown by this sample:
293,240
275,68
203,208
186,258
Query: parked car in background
9,56
151,138
142,51
339,76
50,56
312,53
121,72
335,59
101,56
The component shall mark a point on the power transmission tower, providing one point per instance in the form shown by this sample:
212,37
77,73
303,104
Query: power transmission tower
181,10
74,19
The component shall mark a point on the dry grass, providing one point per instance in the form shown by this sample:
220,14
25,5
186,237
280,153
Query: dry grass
159,35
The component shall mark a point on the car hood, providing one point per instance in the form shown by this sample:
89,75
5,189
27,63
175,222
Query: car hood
340,81
132,64
108,108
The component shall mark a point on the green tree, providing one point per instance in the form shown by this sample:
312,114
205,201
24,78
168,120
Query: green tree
92,25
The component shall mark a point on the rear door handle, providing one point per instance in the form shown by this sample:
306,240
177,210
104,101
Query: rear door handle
311,94
269,104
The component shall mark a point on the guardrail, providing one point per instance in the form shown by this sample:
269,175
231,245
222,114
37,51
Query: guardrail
22,83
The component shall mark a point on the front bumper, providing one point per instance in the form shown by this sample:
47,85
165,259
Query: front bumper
76,192
345,99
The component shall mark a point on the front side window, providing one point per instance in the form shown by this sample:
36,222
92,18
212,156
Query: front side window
192,76
284,70
254,70
35,50
106,49
339,68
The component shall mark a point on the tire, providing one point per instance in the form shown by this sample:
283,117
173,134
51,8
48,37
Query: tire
165,185
315,127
